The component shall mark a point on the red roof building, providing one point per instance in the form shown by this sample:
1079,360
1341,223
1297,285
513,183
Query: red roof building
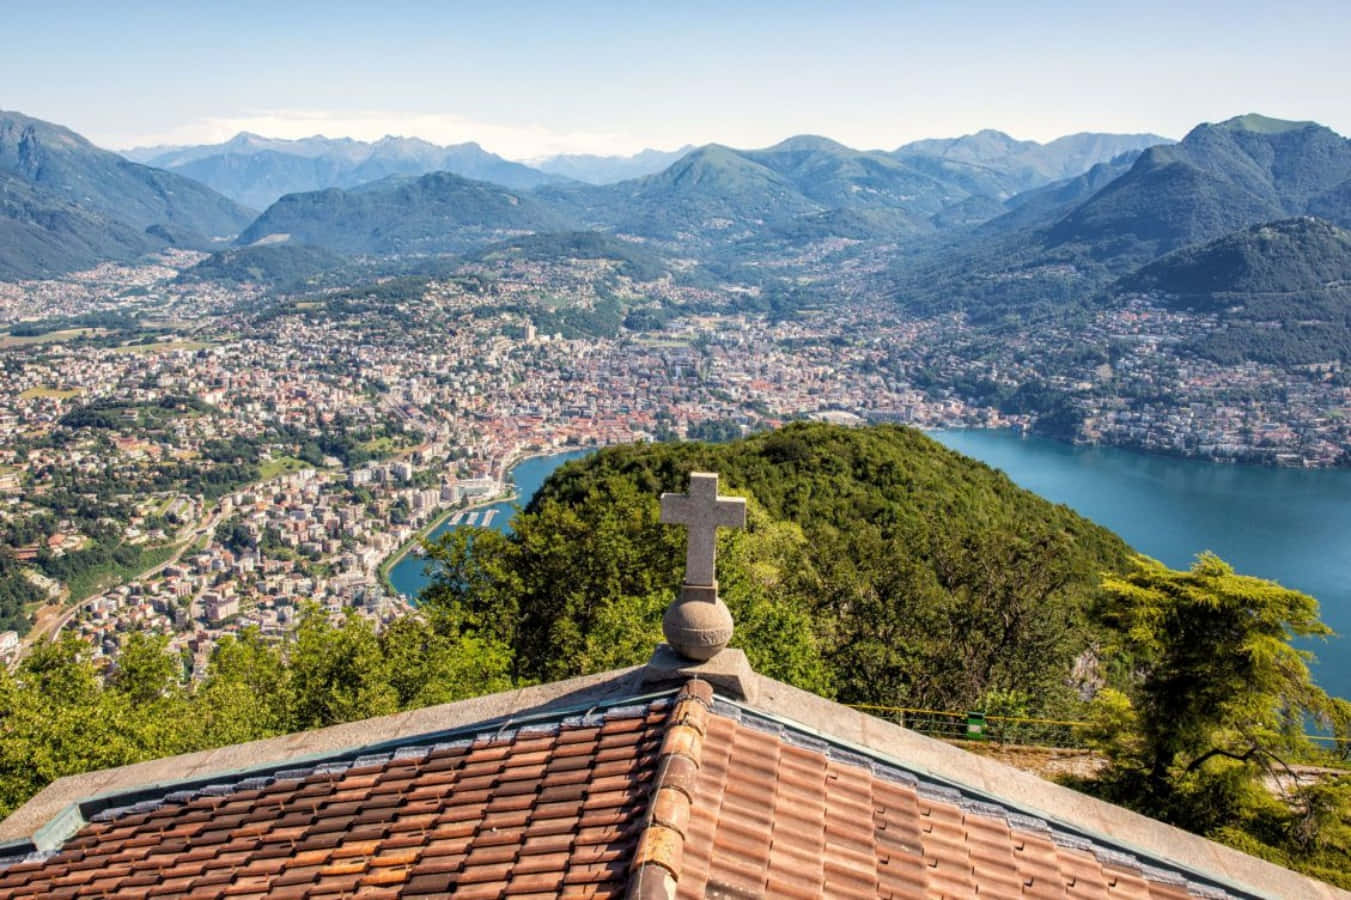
599,787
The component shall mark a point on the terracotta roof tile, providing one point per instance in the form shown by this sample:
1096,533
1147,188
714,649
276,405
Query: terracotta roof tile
687,797
476,818
780,814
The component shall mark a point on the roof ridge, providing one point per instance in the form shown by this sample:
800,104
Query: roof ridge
656,863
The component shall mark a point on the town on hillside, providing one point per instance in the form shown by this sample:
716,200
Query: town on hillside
242,450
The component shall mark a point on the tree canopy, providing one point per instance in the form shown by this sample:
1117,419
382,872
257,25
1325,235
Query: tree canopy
60,714
1214,705
878,567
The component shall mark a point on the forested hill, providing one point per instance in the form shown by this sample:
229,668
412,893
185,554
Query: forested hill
1281,292
1293,257
879,567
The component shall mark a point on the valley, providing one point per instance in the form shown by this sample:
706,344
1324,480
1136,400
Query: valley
381,352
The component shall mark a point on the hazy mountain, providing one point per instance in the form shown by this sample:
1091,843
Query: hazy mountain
712,188
1290,257
609,169
806,186
432,213
258,171
246,143
1048,203
992,163
838,177
58,161
1219,178
65,204
43,235
809,186
1058,247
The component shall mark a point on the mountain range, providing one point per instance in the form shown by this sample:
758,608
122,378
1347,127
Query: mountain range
258,171
983,223
593,169
65,203
1217,179
435,213
1280,291
804,187
992,162
1071,241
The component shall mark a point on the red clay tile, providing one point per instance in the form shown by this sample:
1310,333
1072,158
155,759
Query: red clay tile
560,813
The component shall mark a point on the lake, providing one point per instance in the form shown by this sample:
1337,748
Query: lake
409,576
1290,525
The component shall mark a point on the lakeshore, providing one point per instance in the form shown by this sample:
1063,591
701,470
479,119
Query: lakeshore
526,471
425,531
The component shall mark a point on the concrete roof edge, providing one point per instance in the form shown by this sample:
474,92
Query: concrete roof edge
48,812
1030,794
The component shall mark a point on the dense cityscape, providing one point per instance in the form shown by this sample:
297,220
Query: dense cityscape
256,453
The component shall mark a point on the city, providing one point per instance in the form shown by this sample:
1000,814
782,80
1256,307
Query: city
261,453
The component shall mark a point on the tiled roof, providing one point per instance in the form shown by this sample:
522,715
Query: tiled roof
782,814
685,796
547,810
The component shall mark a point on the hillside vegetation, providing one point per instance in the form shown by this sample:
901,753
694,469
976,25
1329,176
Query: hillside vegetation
879,567
1281,290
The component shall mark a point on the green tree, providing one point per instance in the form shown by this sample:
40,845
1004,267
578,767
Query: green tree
247,692
337,672
1216,675
1216,705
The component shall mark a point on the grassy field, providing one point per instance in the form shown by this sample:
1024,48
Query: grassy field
383,446
53,393
280,465
161,347
51,337
91,582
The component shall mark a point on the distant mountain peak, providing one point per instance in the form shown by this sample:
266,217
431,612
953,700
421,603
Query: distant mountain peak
1261,124
808,142
69,204
599,169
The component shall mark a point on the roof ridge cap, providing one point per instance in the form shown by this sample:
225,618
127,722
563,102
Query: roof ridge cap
656,864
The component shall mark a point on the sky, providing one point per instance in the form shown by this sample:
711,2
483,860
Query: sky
529,79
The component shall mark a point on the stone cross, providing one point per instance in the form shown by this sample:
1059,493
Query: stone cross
702,511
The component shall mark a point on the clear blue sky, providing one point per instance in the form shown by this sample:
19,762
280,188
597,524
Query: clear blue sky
529,78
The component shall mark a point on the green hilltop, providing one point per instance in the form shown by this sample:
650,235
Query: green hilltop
1260,124
880,567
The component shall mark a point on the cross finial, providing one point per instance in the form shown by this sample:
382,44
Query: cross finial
702,511
698,625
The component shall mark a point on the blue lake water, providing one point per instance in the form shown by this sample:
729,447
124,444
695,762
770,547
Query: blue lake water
409,575
1291,525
